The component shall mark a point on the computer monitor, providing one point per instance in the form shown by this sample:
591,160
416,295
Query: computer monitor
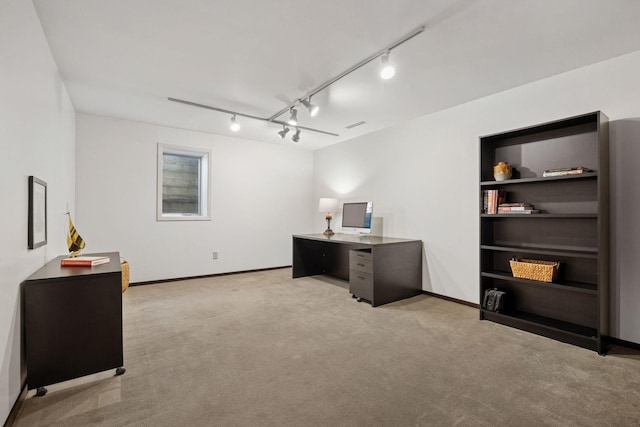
356,217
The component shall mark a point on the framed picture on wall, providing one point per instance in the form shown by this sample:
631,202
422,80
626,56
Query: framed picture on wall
37,234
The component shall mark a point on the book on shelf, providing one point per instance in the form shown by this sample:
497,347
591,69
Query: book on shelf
491,200
514,207
514,204
84,261
566,171
525,212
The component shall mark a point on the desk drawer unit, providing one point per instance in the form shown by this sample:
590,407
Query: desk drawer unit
361,261
361,274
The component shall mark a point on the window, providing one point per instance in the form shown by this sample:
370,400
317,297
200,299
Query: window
183,183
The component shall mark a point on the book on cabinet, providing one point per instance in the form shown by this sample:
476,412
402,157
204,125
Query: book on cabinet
84,261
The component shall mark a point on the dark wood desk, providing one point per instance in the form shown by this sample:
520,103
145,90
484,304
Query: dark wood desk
72,321
390,268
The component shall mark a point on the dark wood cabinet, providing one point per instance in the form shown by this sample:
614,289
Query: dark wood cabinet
72,321
572,227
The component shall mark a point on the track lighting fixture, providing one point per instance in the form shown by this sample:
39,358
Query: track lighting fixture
293,118
387,70
283,132
313,108
235,126
296,136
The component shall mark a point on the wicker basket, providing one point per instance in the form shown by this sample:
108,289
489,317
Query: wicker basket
533,269
124,265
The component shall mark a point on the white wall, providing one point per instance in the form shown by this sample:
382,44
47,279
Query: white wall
262,193
37,137
423,176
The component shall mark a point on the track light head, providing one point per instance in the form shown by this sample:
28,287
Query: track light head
235,126
387,70
296,136
313,108
293,118
283,132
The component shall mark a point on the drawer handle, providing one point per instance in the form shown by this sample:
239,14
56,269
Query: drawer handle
360,277
360,265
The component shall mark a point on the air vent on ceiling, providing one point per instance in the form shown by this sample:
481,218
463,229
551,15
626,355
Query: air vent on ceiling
355,125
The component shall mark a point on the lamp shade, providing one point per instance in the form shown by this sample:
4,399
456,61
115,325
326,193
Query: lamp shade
327,205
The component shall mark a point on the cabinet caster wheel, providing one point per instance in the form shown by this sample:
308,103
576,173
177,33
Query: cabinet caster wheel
41,391
354,296
359,299
120,371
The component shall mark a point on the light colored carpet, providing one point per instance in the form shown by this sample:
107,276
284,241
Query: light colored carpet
262,349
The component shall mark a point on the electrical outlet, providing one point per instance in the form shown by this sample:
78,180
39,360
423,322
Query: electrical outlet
215,255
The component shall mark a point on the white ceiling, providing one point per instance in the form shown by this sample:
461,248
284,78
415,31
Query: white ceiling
124,58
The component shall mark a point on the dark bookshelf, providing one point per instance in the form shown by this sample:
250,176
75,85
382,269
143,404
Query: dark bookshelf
572,227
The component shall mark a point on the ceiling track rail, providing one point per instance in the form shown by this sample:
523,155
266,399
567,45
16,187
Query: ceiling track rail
360,64
250,116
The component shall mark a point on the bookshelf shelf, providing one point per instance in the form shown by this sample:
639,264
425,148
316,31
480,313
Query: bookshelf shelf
567,286
540,216
493,183
562,331
550,252
572,227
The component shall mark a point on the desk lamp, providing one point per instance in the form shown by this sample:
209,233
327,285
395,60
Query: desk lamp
328,205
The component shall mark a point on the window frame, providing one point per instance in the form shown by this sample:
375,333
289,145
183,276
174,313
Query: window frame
204,190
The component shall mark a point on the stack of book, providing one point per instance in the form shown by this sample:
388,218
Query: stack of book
84,261
491,199
516,208
566,171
